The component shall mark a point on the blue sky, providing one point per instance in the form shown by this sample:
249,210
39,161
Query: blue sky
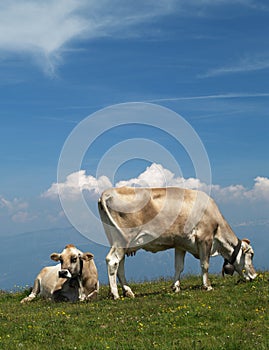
61,61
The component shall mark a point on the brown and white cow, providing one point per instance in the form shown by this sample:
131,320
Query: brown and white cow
75,278
156,219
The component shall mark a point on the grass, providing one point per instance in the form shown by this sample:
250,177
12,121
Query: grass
232,316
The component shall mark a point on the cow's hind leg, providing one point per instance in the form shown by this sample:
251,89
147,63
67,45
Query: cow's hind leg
127,291
179,266
113,260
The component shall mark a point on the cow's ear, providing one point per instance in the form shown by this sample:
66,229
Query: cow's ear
245,245
87,256
55,256
246,240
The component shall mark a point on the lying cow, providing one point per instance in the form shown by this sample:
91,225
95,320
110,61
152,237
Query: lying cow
75,278
156,219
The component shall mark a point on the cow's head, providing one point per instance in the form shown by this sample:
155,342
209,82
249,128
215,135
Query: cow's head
243,263
71,260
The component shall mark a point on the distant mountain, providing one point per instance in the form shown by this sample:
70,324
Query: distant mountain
24,255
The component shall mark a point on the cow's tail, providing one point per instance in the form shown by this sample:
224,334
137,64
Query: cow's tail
113,231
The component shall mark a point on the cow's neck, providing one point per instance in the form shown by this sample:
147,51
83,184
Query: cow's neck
231,248
236,250
83,275
229,243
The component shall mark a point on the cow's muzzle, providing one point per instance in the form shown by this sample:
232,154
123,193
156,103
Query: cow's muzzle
64,274
251,277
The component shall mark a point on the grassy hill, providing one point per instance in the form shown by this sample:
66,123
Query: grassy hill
232,316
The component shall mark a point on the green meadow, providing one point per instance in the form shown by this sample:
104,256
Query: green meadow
232,316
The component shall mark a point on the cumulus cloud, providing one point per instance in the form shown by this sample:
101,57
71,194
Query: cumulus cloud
232,192
157,176
22,217
259,192
17,210
13,205
76,183
154,176
260,189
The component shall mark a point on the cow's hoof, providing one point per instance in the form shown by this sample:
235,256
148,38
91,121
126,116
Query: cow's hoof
127,292
207,288
176,287
114,297
92,296
26,300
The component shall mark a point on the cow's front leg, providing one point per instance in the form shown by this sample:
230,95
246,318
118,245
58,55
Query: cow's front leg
204,251
206,283
34,293
113,259
127,291
81,294
29,298
179,266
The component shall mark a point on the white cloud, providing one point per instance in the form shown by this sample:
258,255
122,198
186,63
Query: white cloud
157,176
13,205
238,193
232,192
22,217
56,217
202,7
40,29
232,95
17,210
246,64
76,183
249,223
33,25
154,176
260,189
44,29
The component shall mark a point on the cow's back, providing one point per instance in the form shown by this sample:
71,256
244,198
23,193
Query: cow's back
129,207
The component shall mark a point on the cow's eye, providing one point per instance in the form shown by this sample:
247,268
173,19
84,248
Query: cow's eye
61,260
74,259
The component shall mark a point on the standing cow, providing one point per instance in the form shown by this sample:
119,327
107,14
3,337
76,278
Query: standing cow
75,278
156,219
